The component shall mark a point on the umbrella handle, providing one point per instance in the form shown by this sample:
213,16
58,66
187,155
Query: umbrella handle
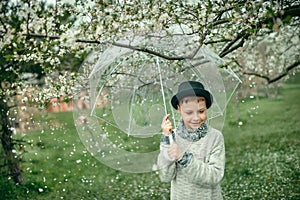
171,137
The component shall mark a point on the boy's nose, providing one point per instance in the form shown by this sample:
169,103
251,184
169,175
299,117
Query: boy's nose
196,117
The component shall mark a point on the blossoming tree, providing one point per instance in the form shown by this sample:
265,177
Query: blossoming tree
257,38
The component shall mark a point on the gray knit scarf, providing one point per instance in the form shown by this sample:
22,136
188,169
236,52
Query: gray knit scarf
192,135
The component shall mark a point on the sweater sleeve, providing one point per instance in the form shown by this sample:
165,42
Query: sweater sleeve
208,172
166,166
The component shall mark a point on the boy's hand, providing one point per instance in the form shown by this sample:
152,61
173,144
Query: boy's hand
166,125
174,151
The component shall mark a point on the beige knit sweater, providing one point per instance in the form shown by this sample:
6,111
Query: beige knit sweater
202,176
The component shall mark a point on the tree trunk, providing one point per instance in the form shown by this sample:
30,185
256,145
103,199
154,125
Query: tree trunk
11,157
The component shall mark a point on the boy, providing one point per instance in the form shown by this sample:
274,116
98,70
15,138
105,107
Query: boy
195,161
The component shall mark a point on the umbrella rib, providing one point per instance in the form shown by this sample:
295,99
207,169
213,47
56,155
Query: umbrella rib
101,118
193,68
130,112
172,112
132,99
128,74
231,73
94,105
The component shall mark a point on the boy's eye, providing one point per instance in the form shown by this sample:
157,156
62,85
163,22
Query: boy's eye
201,111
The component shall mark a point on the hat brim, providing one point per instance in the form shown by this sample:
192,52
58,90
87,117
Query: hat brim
192,92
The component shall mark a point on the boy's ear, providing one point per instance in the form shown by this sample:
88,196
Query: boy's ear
178,109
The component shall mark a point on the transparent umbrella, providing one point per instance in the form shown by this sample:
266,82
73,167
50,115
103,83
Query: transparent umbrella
128,92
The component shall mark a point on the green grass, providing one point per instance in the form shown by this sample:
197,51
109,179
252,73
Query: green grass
262,153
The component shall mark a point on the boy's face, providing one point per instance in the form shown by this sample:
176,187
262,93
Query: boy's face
193,112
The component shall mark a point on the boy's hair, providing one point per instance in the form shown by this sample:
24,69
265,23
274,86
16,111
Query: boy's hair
191,98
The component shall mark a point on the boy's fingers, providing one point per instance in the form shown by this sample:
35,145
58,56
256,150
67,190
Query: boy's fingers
166,117
166,120
167,124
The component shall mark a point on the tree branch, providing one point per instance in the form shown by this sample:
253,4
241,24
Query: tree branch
231,47
136,48
292,11
277,78
250,73
289,68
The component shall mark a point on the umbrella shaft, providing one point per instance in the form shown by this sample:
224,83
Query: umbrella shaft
161,85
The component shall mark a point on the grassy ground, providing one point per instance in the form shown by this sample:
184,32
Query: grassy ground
262,150
263,154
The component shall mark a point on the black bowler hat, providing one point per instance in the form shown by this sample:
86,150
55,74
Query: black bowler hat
191,88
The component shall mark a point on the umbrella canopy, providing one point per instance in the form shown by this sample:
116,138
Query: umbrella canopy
129,91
